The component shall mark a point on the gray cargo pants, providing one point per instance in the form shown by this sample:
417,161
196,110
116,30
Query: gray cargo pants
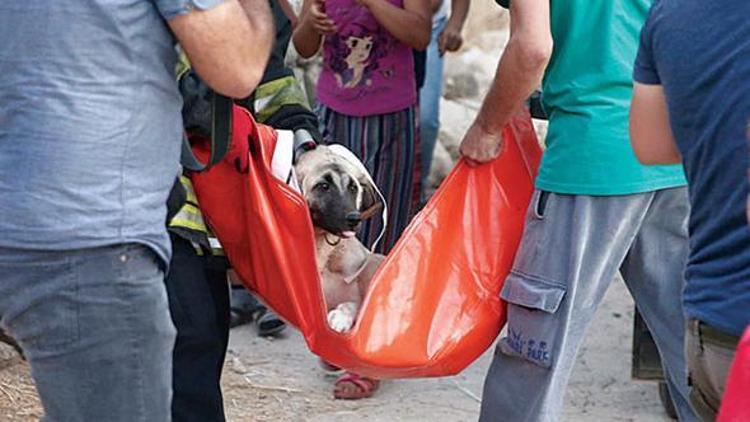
572,248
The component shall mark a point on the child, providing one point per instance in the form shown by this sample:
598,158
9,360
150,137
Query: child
367,102
366,92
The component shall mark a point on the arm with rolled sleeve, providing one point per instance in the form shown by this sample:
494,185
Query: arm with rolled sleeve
227,41
650,131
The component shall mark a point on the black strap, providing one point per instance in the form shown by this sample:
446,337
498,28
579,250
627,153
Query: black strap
221,136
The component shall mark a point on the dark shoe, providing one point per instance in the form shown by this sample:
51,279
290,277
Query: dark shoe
244,307
268,324
237,318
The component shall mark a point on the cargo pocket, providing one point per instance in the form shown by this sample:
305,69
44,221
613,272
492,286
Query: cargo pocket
533,321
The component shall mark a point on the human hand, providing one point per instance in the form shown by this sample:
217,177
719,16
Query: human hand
450,39
318,18
480,145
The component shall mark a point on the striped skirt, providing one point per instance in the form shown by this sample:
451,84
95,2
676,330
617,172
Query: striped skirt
388,145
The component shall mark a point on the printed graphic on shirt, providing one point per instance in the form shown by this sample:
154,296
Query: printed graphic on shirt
365,69
356,62
354,56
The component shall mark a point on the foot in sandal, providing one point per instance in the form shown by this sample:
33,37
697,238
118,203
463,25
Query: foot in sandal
354,387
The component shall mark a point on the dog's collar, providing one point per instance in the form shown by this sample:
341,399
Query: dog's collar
334,243
303,142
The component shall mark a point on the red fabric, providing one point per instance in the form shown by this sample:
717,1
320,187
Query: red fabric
735,405
434,304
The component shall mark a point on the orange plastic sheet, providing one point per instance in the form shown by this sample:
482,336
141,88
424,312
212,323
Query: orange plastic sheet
735,405
434,305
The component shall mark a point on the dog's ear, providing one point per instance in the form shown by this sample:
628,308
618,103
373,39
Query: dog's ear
371,202
301,174
302,169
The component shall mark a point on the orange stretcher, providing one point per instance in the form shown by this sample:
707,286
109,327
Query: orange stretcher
434,304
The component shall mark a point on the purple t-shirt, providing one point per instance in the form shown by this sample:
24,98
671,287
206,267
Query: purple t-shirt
366,71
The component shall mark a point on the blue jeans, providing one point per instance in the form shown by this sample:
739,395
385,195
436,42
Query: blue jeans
95,327
572,248
429,102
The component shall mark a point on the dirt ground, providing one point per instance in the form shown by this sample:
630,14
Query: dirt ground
279,380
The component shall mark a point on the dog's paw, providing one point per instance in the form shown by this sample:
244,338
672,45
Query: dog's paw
341,319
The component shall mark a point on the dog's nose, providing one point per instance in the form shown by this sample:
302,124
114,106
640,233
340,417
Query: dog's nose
354,218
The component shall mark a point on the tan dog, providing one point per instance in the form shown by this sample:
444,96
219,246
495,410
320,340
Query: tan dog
340,196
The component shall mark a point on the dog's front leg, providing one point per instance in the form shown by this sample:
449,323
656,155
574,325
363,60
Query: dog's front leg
342,318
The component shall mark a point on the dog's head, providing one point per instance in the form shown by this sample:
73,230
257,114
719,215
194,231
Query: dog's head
339,195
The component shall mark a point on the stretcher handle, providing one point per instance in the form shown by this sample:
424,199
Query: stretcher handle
221,136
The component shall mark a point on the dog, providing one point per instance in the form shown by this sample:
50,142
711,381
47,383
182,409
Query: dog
340,196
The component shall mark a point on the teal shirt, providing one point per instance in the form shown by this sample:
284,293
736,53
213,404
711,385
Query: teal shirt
587,91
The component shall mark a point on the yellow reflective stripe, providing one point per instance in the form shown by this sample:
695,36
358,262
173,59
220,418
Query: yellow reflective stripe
216,247
188,225
189,217
273,95
198,249
188,185
183,65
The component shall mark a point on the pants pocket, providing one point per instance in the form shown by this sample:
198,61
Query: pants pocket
533,320
540,203
43,315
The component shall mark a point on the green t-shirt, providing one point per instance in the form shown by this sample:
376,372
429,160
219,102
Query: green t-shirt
587,90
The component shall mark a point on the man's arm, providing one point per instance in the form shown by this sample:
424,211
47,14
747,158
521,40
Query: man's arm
228,45
519,72
650,132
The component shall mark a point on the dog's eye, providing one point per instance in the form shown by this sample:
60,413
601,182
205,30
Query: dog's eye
352,187
322,186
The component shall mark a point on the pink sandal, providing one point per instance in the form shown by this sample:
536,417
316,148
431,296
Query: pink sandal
364,387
